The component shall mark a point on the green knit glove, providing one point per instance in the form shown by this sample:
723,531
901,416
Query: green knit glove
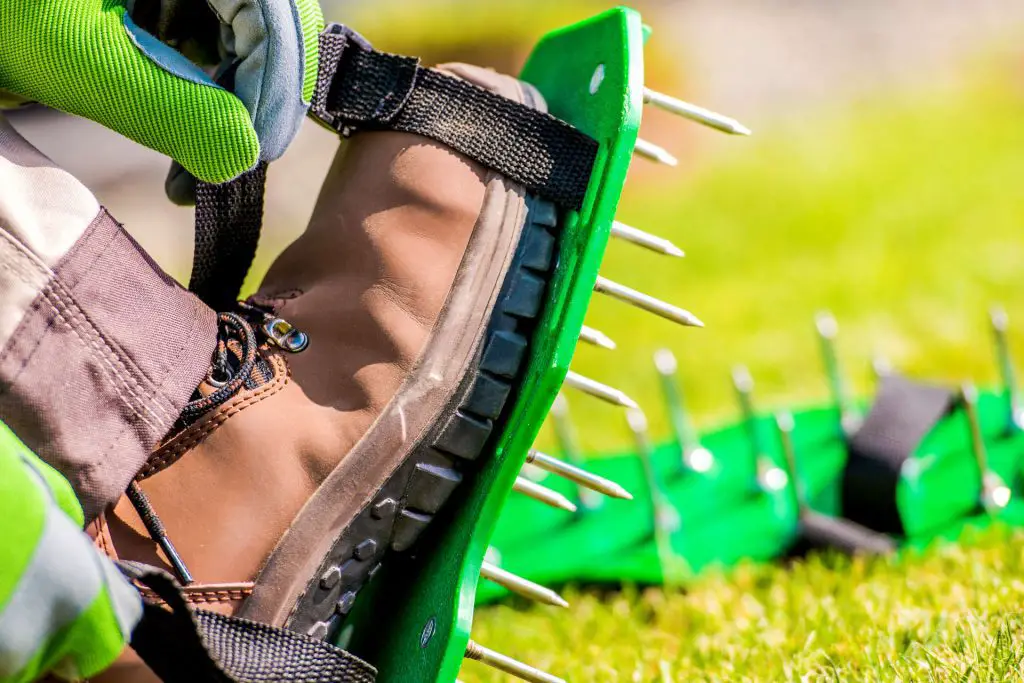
88,57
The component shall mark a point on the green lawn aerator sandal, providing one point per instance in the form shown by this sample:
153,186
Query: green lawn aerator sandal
402,352
590,75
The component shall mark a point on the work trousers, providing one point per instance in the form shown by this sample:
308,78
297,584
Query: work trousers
99,348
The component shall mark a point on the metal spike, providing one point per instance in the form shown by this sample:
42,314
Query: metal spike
520,586
770,477
479,653
569,447
533,473
994,491
743,383
665,517
598,390
577,475
565,432
647,303
822,529
543,494
695,113
649,150
637,422
784,424
597,338
645,239
969,397
695,457
828,329
1000,324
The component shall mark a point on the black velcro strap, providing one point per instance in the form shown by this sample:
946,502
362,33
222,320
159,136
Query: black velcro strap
228,222
185,646
842,534
361,89
904,413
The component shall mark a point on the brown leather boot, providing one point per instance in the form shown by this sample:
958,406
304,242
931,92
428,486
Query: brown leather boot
352,394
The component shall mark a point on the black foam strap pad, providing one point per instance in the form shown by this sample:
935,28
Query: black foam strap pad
904,413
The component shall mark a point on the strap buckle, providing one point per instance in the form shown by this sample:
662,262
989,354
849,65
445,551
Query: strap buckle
357,86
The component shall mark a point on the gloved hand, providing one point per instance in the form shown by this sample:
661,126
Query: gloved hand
64,608
90,58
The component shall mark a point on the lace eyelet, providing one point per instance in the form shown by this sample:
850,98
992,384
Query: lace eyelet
284,335
215,383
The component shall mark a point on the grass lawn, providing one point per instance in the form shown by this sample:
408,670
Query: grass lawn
949,615
904,215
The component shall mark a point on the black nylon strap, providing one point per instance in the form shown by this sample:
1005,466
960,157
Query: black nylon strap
902,415
185,646
228,222
361,89
842,534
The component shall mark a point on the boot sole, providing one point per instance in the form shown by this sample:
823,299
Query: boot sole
448,453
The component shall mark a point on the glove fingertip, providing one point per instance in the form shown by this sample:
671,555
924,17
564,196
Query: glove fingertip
215,148
231,156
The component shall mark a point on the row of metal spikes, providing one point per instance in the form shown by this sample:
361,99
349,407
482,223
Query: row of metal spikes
590,483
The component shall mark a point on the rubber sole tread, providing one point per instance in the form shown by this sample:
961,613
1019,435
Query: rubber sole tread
406,504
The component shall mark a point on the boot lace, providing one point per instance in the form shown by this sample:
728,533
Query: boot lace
237,363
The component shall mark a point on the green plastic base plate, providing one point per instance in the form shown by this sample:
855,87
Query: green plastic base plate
414,620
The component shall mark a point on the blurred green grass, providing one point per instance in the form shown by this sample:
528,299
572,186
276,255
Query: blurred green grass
901,213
